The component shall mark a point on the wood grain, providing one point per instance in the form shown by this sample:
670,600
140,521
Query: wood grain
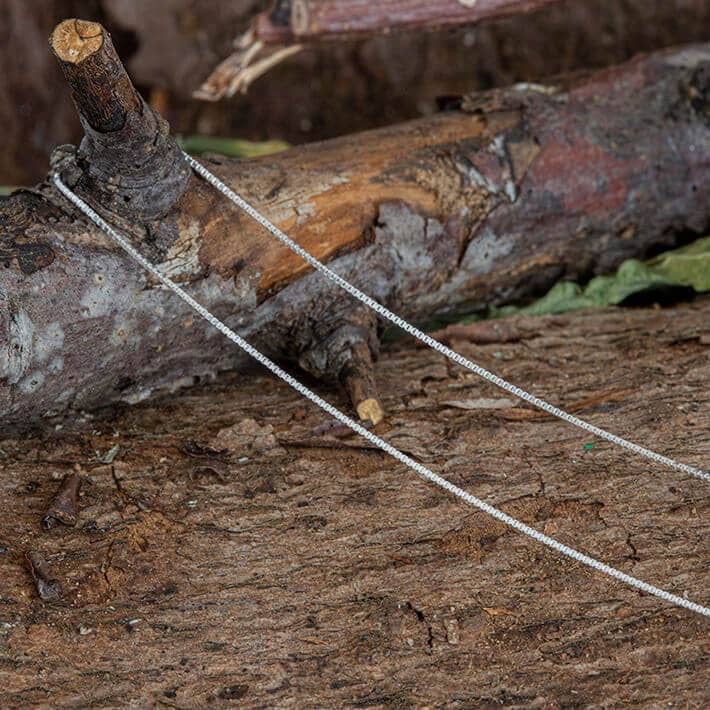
235,551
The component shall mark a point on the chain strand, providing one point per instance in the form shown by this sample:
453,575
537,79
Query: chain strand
431,342
423,471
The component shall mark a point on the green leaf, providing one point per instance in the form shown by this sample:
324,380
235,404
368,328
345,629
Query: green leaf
687,267
231,147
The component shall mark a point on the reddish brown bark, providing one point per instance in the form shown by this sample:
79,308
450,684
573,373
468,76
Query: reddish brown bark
280,33
237,553
313,20
171,46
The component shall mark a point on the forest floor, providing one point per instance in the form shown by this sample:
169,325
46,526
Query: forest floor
235,549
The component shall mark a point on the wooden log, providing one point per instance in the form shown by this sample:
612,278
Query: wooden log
486,204
318,20
232,551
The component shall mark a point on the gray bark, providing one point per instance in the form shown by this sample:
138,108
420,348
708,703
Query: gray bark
486,204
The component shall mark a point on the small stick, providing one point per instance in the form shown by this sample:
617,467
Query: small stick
103,94
64,507
358,376
48,587
127,160
318,20
252,58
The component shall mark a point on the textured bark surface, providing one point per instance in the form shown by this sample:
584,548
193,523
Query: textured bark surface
102,92
237,549
483,205
171,46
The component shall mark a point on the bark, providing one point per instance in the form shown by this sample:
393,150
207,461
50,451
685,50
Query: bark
234,552
102,92
294,21
127,160
313,20
486,204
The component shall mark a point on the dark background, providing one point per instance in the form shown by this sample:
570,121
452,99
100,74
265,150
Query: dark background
170,46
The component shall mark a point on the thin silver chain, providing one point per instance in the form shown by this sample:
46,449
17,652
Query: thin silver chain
431,342
423,471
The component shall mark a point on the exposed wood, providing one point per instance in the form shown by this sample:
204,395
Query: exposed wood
487,204
359,380
313,20
101,89
275,565
253,58
266,43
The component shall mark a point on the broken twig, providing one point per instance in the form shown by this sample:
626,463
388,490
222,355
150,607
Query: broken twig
64,507
48,587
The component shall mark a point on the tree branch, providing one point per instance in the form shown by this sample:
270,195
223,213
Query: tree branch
488,203
324,20
126,146
291,24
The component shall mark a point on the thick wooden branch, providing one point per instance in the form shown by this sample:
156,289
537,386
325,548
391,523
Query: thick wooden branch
485,204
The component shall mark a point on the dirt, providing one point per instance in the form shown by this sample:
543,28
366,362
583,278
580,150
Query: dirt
237,550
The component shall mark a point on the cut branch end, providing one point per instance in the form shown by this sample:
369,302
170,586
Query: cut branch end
74,40
125,142
359,380
370,410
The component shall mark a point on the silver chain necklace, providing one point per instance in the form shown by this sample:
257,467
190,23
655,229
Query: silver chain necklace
418,468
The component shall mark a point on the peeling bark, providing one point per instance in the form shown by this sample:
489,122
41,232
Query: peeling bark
485,204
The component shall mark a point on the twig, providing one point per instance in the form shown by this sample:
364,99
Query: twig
323,20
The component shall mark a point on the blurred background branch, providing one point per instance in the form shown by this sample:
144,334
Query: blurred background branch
172,46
